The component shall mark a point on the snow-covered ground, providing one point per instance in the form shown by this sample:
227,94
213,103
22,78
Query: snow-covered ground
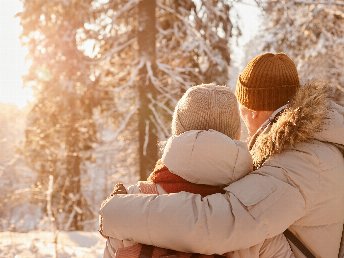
39,244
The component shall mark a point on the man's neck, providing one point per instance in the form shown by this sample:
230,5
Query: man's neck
272,119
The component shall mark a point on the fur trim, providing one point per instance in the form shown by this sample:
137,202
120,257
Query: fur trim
305,115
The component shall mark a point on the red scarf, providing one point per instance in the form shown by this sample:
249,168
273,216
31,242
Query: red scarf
172,183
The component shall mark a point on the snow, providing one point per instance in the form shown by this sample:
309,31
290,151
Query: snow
40,244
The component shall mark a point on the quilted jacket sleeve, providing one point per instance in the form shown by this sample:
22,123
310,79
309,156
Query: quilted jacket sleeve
257,207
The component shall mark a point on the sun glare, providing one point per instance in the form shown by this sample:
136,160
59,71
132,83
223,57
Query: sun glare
12,57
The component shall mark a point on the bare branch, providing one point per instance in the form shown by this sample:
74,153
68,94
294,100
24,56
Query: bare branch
158,120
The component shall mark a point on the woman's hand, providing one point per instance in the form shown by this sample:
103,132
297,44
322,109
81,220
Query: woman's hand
119,189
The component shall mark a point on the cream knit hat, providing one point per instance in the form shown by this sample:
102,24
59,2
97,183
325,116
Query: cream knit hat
205,107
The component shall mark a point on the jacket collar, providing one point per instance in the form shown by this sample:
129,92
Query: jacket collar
309,116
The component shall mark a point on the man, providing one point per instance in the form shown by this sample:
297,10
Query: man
297,134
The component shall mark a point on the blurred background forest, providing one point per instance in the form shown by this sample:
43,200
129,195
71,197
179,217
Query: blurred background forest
105,76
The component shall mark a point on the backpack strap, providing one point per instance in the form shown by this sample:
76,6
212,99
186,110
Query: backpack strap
299,245
341,248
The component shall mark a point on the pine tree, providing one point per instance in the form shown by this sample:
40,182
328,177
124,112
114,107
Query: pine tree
190,46
119,64
60,129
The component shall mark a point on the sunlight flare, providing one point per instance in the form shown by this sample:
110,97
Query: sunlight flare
12,58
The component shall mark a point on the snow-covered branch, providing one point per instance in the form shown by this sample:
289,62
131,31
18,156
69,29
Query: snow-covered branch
158,120
124,123
145,144
160,104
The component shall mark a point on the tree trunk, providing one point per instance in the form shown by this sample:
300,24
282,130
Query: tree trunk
73,170
148,151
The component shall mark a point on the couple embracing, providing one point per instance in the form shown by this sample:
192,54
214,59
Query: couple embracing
280,195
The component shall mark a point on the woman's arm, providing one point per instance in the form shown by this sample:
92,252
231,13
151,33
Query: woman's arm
257,207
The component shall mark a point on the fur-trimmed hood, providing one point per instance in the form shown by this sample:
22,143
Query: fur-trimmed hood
315,113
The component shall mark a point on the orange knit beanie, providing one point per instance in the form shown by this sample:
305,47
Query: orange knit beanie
268,82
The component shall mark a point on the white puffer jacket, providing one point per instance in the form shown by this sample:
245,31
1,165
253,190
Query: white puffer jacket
203,157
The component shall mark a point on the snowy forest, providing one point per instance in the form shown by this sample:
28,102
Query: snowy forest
106,76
